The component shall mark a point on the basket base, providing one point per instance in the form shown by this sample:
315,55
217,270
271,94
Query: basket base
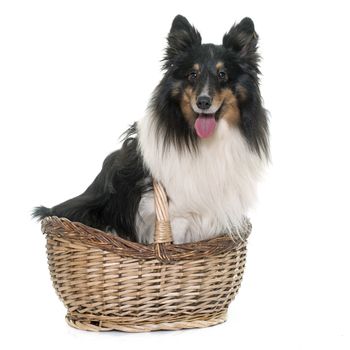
110,325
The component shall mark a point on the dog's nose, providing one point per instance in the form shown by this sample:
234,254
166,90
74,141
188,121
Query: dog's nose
203,102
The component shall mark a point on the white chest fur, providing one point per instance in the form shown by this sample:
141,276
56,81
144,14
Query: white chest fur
209,191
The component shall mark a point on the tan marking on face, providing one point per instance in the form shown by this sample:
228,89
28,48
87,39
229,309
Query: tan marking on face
196,67
219,65
185,105
229,106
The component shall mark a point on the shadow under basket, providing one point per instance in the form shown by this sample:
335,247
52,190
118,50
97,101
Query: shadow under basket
109,283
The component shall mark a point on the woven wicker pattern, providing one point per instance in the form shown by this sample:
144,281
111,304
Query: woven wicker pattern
108,283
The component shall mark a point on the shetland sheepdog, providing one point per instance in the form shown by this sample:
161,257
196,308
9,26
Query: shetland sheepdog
204,138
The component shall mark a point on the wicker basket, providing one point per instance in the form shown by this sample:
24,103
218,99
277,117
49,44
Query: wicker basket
109,283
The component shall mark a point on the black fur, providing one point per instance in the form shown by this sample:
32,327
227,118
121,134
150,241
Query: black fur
175,129
239,54
242,40
112,200
182,37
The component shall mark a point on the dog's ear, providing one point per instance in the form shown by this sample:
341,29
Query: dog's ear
182,36
242,38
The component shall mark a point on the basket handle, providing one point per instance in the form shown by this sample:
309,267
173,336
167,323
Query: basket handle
162,232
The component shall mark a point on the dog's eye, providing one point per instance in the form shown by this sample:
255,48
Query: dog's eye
192,76
222,75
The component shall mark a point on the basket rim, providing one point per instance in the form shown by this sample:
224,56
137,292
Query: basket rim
62,229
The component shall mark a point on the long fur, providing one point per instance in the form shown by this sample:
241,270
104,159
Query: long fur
211,183
210,191
110,203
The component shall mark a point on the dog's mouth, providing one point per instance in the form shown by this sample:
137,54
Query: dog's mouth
205,123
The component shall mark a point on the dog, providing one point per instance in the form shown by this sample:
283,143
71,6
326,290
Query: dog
204,137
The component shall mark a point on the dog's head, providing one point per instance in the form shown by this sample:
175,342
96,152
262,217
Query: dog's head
207,82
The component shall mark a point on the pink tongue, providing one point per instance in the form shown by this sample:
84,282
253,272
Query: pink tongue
205,125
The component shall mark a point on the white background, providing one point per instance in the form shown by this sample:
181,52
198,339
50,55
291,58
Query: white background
75,74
